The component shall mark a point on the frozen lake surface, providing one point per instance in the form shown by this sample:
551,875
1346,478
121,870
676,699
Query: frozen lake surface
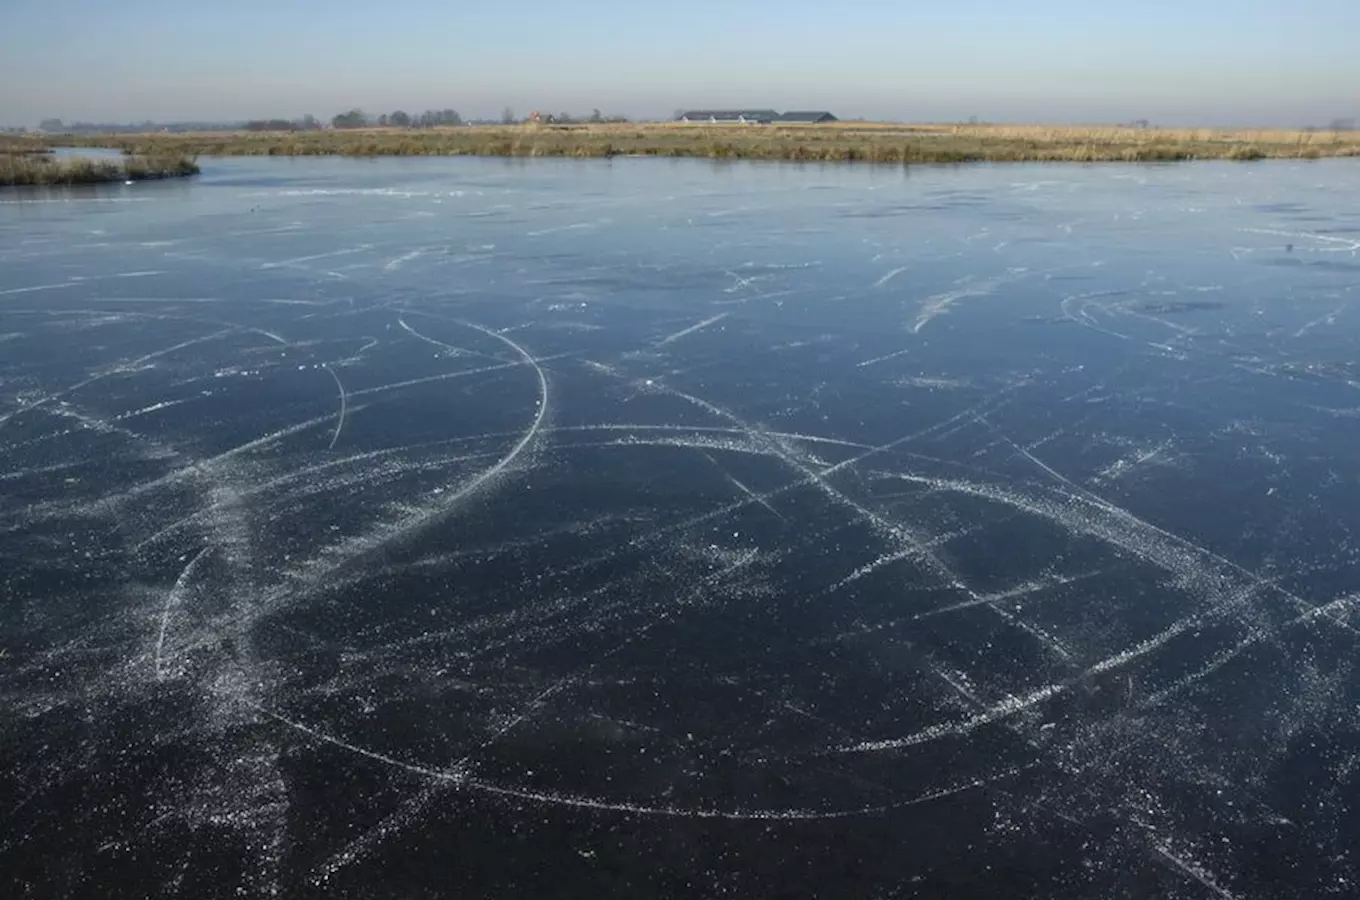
482,528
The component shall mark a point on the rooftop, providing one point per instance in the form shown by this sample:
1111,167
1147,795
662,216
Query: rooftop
765,115
755,115
817,115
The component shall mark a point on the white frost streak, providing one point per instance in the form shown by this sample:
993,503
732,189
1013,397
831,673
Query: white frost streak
38,287
1222,659
1256,581
447,376
402,260
147,410
889,277
172,602
117,369
884,358
451,348
1193,871
355,548
1008,707
1119,528
698,326
903,536
746,490
414,769
304,259
344,405
460,779
529,434
939,304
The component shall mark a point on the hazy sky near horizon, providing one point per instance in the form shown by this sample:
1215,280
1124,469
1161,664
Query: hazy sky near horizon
1170,61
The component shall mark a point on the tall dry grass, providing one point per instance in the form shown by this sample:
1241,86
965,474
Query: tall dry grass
36,169
867,142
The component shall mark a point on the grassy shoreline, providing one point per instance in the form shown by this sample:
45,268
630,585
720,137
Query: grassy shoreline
29,168
890,144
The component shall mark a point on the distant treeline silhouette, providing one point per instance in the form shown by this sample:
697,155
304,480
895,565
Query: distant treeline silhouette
357,118
431,118
57,126
306,123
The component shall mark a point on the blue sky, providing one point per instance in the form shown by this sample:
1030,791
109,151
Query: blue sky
1170,61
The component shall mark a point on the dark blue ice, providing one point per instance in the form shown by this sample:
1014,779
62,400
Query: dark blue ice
638,528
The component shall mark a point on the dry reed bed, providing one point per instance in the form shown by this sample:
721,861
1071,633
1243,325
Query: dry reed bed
28,168
880,143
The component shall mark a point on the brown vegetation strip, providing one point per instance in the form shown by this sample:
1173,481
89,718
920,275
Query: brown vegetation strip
823,143
29,168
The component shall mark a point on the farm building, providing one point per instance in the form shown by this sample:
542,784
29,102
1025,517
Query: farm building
812,117
728,116
753,117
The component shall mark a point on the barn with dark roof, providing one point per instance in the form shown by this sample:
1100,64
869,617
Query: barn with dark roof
806,117
728,116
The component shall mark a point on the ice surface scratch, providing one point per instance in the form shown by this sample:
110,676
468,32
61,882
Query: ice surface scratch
1256,636
698,326
905,553
744,489
1326,319
884,358
204,467
435,342
995,713
939,304
412,768
402,260
1022,590
557,799
530,433
273,485
1253,578
38,287
901,533
117,369
350,551
173,599
1193,871
1168,551
402,818
578,226
462,780
298,260
889,277
448,376
344,405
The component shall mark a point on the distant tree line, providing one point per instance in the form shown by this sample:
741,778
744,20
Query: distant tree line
565,118
1335,125
428,119
306,123
57,126
354,118
431,118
